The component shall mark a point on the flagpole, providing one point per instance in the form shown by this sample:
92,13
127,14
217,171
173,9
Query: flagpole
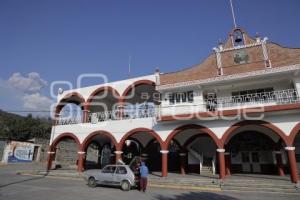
232,12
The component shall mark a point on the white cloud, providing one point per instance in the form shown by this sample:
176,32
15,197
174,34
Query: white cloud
31,84
25,93
36,101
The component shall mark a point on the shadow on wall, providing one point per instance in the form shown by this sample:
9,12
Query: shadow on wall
196,196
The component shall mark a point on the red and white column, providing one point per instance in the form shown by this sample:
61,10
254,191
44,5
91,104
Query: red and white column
51,156
221,155
81,159
121,108
164,163
293,163
118,156
85,117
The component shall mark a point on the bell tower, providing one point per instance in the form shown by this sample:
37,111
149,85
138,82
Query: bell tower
241,53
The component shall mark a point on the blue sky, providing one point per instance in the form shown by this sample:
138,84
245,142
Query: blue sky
61,39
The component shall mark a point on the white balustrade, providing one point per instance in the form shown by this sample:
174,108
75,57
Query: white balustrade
278,97
69,120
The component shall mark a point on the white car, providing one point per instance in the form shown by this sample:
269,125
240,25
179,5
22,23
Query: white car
115,175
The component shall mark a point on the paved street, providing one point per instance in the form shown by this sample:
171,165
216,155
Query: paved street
14,187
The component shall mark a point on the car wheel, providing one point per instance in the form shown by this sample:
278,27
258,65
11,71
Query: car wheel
92,182
125,186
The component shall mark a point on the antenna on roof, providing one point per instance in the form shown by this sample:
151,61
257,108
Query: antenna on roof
129,65
233,16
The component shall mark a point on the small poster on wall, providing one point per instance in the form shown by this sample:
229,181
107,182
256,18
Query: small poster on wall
16,152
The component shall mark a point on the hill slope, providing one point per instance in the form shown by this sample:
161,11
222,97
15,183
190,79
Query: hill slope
17,127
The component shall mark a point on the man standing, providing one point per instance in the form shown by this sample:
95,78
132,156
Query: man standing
144,174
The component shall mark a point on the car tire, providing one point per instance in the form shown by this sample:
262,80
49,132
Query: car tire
92,182
125,185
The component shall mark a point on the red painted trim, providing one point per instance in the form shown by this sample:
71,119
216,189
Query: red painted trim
230,112
222,167
90,137
64,101
164,165
135,84
268,125
100,89
65,135
295,131
293,166
136,130
193,126
52,146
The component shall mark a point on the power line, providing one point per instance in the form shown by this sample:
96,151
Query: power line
24,111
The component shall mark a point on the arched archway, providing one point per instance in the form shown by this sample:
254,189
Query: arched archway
103,104
99,148
294,133
197,155
139,99
150,153
65,135
64,150
254,147
201,128
261,123
70,109
136,84
294,152
107,89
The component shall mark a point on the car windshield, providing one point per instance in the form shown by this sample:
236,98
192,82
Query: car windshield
109,169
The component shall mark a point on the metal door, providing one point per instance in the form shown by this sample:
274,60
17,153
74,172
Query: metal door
246,161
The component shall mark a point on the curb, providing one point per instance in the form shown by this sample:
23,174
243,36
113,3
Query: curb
264,192
151,185
165,186
180,187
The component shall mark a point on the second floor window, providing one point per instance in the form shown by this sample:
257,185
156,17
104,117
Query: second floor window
181,97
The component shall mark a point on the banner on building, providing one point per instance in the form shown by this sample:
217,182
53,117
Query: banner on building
16,152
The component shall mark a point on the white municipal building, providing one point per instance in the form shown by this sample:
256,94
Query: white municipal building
236,112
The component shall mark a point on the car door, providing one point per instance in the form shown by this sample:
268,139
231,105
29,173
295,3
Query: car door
121,174
107,175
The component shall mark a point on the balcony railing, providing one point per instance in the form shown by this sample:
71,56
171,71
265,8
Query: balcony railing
67,121
278,97
96,117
